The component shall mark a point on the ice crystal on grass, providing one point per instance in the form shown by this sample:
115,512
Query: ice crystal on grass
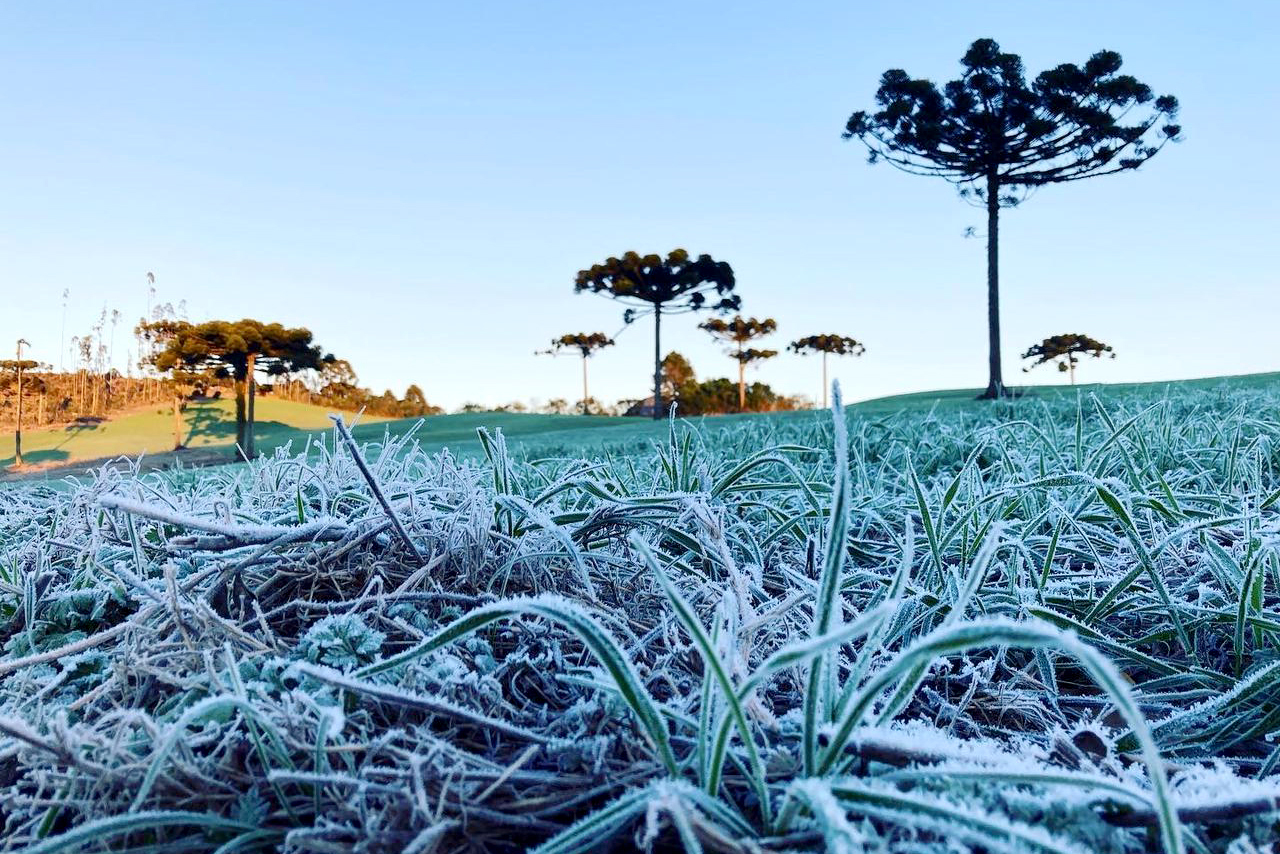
342,641
958,631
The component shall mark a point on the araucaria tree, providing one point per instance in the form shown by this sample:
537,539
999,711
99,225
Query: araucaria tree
839,345
737,333
238,350
588,344
19,366
1066,350
999,138
655,285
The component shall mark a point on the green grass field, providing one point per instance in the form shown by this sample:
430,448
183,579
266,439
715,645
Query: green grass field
281,422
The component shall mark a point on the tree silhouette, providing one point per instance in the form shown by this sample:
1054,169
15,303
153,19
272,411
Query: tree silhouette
237,350
588,344
19,366
674,285
999,138
1068,349
839,345
737,333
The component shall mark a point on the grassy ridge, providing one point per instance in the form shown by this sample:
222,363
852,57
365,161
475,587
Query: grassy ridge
281,423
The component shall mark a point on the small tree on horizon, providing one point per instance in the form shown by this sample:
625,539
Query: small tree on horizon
19,366
238,350
999,138
676,284
588,344
828,344
1067,350
737,332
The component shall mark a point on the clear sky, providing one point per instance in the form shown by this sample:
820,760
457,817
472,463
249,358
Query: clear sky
419,182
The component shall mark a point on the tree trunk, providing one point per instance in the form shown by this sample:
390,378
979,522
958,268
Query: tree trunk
824,379
177,421
17,424
239,385
657,362
995,382
585,395
742,387
1071,369
253,393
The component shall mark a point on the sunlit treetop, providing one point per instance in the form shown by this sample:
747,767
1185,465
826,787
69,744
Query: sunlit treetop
1068,348
750,355
586,343
739,329
224,348
1071,122
677,283
839,345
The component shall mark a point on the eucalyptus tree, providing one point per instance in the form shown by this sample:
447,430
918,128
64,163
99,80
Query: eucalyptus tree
737,333
1066,351
999,138
828,344
588,344
677,284
237,350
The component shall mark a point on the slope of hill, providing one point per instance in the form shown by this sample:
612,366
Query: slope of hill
211,426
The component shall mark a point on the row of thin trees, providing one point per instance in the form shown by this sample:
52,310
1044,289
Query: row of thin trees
737,334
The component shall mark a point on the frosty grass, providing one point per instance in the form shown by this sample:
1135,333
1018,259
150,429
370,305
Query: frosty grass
1046,625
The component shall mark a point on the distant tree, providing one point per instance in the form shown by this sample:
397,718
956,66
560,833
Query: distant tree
676,373
18,366
737,333
334,371
999,139
415,402
155,336
713,396
1067,349
588,344
238,350
829,344
557,406
674,285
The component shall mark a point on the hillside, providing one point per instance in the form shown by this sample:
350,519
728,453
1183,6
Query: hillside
211,426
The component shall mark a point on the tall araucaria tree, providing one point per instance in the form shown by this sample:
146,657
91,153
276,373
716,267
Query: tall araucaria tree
1066,350
999,138
588,344
238,350
737,333
655,285
829,344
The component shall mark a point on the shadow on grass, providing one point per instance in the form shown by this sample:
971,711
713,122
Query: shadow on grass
205,420
48,455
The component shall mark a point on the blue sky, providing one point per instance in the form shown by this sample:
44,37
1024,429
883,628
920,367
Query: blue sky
418,183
